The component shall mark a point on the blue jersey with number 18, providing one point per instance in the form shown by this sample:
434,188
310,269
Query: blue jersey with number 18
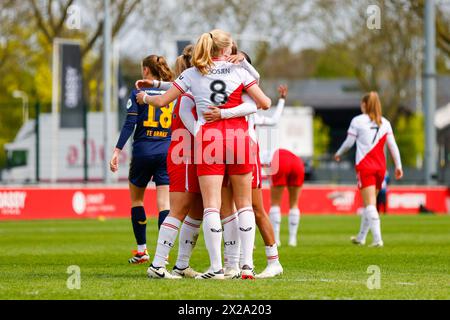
152,133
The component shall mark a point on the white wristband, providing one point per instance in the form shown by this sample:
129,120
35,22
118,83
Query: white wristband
145,99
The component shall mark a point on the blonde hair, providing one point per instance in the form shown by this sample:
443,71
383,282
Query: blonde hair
158,67
208,46
373,106
184,62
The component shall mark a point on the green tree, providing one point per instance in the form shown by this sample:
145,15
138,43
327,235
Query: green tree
321,139
409,133
27,31
334,62
384,59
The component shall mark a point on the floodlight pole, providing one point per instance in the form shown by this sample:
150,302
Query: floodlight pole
107,40
429,94
55,102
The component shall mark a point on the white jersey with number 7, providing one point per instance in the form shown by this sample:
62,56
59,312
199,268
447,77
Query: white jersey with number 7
371,139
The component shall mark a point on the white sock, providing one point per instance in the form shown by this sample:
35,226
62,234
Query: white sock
166,240
212,231
275,218
375,225
247,230
365,226
294,221
272,254
231,240
190,229
141,247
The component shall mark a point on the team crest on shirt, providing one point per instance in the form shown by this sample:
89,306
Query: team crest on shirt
129,104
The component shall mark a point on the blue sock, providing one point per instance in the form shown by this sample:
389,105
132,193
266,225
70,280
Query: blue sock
139,221
162,216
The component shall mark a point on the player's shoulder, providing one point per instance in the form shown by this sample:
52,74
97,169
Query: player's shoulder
239,68
134,93
386,124
189,72
132,101
360,119
385,121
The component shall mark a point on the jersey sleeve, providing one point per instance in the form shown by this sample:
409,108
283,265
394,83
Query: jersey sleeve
258,119
247,107
393,147
185,112
353,129
163,85
183,83
247,79
347,145
132,105
130,121
275,118
389,130
253,72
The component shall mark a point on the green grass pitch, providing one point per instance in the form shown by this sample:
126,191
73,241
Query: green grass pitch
414,264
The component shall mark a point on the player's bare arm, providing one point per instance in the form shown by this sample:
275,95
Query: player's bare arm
262,101
114,163
158,101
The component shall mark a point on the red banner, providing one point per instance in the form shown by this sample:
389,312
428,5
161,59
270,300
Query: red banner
347,200
75,203
56,203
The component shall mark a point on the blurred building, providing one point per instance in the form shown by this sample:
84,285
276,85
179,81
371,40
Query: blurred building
337,101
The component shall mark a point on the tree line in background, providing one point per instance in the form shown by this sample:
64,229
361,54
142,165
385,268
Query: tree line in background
386,60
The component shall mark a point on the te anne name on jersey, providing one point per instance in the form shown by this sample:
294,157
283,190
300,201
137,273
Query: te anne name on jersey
160,134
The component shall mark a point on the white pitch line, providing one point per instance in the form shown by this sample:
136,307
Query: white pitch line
406,283
319,280
363,282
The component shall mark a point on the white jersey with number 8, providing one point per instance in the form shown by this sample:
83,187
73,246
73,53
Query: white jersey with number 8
221,87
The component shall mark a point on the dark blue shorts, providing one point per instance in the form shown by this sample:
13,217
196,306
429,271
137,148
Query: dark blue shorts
146,168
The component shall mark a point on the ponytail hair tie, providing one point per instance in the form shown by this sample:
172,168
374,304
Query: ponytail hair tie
210,34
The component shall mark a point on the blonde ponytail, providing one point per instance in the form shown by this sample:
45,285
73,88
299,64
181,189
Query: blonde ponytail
373,107
208,47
